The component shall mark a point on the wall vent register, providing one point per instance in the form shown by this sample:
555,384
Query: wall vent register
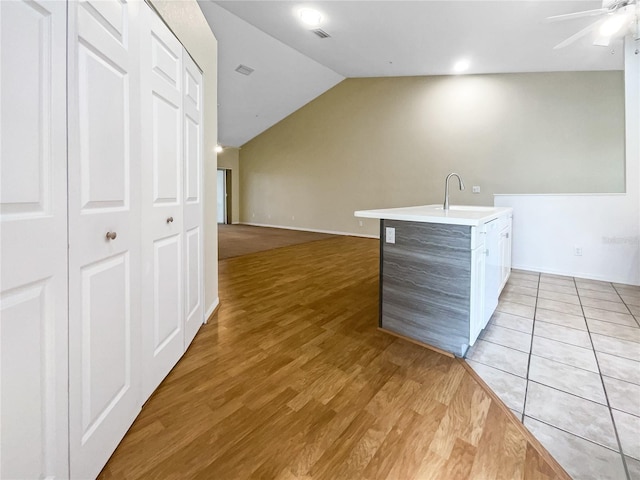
244,70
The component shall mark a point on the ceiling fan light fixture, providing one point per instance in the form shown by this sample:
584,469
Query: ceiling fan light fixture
612,25
461,66
310,17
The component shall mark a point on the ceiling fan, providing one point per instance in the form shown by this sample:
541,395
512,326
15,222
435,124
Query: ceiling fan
618,18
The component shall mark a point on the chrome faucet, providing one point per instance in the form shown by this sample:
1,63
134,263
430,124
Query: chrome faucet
446,189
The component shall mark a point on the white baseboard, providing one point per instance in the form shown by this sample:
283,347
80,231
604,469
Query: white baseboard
314,230
565,273
211,309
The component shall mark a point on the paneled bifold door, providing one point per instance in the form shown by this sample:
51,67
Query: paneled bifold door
162,201
101,282
193,206
171,98
104,229
33,240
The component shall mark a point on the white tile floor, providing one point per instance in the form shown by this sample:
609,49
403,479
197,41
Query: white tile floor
563,354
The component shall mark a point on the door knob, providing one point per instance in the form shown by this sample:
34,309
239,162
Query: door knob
170,219
111,235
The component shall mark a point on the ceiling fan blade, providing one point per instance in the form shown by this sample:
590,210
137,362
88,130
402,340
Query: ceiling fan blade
602,41
616,26
578,35
586,13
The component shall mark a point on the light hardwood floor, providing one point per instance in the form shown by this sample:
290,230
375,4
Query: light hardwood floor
292,380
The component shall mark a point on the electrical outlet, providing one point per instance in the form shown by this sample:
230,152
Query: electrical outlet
476,189
293,217
390,235
253,215
360,223
577,251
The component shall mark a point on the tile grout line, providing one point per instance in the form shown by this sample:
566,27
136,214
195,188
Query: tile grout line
610,322
617,355
514,314
505,346
604,388
510,328
573,434
533,331
625,304
614,323
617,338
494,367
562,325
564,363
550,387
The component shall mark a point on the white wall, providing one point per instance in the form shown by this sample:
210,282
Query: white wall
547,228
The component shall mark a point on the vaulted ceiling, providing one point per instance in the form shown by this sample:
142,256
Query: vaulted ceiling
292,65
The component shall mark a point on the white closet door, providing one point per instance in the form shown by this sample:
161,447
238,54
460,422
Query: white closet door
193,204
162,216
33,241
104,229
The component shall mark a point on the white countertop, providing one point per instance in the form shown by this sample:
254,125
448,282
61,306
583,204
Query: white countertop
456,215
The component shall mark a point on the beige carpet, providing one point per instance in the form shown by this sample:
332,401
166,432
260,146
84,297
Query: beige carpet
237,240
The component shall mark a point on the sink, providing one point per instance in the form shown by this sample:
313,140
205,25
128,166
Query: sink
467,208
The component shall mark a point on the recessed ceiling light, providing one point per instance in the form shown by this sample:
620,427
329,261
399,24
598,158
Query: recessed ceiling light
461,66
310,17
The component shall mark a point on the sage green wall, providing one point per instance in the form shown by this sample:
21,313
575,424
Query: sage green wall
229,159
387,142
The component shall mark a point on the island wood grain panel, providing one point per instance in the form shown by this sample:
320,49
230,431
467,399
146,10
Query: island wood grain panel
293,380
426,283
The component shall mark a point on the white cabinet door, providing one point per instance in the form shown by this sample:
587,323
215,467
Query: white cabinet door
193,202
492,270
162,200
33,241
505,255
104,273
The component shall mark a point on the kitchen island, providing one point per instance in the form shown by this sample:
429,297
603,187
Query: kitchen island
441,271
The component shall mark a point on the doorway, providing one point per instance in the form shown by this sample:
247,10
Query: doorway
224,196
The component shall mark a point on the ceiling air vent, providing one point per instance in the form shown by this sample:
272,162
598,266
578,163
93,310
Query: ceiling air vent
244,70
321,33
